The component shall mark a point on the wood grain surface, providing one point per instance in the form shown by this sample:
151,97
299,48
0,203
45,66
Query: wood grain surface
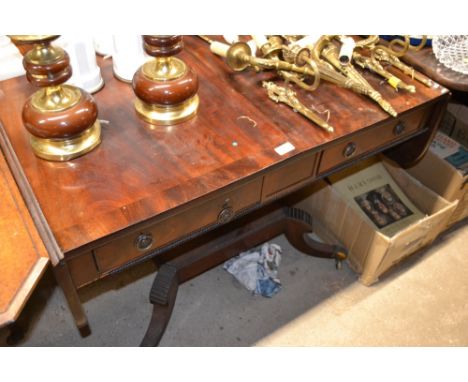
141,171
23,257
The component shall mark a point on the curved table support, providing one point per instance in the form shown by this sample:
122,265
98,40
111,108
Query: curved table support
226,242
163,295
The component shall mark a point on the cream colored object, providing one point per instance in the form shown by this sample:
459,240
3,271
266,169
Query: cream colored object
308,41
346,51
11,61
371,253
127,56
86,72
231,38
103,44
219,48
260,40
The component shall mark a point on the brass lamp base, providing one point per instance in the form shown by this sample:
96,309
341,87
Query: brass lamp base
64,149
167,115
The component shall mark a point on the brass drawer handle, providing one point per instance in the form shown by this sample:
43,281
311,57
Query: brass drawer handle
144,241
226,213
399,128
349,150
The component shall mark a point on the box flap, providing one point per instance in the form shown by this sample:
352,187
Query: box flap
448,182
23,257
423,197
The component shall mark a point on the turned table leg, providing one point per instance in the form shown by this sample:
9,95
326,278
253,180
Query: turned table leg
228,241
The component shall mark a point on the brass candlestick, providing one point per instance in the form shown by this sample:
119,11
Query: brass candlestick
166,87
62,119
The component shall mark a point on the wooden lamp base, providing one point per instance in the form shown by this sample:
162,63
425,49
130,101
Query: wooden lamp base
167,115
64,149
61,119
166,88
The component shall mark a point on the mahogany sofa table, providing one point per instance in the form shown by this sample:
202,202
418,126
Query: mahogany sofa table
206,186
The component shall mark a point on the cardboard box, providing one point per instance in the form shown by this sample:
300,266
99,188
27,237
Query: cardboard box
441,177
370,252
457,126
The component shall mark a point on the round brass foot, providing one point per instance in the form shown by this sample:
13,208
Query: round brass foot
167,115
62,150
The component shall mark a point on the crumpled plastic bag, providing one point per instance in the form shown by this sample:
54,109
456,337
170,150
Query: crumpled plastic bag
257,269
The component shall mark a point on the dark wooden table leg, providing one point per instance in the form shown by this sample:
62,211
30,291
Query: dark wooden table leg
220,245
163,295
298,226
64,280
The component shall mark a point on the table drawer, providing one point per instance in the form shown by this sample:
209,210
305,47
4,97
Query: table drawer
219,209
289,175
369,140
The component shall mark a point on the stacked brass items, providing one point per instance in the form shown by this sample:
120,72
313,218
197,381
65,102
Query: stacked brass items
384,56
239,57
326,51
166,87
305,60
61,119
388,55
373,65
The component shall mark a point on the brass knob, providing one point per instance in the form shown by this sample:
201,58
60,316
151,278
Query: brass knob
349,150
144,241
226,213
399,128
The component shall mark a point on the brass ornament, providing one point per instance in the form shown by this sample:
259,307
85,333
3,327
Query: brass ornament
287,96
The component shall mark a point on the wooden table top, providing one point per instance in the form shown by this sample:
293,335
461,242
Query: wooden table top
140,171
426,62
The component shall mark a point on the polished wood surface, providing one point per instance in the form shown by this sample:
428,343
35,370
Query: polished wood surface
426,62
23,257
141,171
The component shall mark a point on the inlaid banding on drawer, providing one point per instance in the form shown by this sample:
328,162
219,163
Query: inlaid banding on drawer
369,140
164,231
